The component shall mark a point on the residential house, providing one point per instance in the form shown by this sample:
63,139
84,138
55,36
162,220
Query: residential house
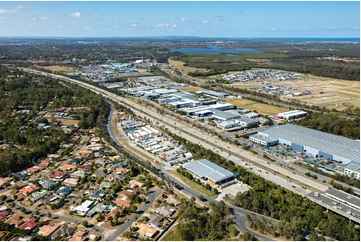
34,169
84,153
28,189
48,230
155,221
45,163
3,215
112,213
99,208
75,160
77,174
94,139
78,236
104,184
146,231
83,208
63,230
4,181
100,162
129,192
29,225
172,200
21,175
70,182
39,195
125,203
85,167
134,184
121,171
54,156
67,167
64,190
47,184
165,211
97,195
56,175
15,220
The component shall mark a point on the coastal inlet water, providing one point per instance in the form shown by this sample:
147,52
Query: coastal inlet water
214,49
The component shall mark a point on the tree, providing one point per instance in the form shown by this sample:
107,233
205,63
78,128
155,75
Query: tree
215,191
3,198
85,223
127,234
133,208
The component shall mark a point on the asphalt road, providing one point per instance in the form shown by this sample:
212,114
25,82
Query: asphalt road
239,213
153,194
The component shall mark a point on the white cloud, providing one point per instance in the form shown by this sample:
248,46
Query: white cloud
166,26
134,25
205,21
8,11
34,18
184,20
75,14
22,7
16,9
59,26
43,18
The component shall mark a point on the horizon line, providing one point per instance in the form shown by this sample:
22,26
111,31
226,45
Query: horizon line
179,36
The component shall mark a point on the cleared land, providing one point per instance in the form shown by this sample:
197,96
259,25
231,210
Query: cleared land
261,108
180,66
191,89
59,68
327,92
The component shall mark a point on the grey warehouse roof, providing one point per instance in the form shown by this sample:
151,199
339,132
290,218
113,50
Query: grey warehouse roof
205,168
328,143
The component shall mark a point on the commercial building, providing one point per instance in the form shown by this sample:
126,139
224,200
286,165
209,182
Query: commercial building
213,93
316,143
221,106
224,116
352,169
209,171
292,114
263,140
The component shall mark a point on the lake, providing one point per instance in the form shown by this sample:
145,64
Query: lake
214,49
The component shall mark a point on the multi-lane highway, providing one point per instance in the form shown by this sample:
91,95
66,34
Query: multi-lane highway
226,150
239,213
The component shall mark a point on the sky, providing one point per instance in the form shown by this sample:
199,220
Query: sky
203,19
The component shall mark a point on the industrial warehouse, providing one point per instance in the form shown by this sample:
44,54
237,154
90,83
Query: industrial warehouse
209,171
316,143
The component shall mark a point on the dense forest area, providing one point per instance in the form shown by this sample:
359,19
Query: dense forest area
325,68
333,123
22,96
215,223
298,216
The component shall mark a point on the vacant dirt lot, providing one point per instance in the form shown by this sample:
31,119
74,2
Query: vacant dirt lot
328,92
179,65
57,68
191,89
261,108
